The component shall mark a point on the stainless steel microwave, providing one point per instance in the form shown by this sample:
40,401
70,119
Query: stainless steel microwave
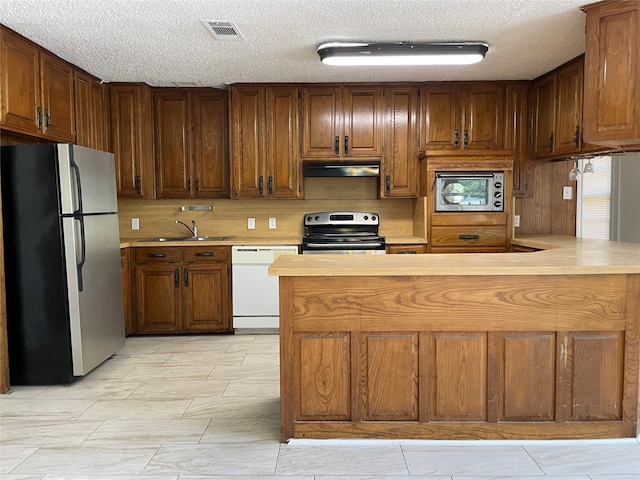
469,192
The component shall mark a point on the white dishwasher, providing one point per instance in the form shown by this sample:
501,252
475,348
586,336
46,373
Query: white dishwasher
256,306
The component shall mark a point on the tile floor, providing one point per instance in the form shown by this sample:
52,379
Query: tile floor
198,407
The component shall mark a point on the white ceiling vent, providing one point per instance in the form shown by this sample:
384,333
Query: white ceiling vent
223,30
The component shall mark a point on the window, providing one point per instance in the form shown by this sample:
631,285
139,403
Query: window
594,199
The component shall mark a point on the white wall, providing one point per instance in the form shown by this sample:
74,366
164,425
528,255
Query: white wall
625,218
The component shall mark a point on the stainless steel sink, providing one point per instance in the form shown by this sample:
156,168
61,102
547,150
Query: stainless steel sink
189,239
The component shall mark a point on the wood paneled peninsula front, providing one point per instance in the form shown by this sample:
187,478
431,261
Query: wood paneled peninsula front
539,345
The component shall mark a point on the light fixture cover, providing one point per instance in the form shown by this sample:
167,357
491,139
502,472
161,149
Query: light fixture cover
359,54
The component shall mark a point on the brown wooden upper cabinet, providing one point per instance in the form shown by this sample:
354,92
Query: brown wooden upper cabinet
612,73
37,90
342,121
400,164
265,156
90,112
132,139
467,116
191,146
557,112
517,135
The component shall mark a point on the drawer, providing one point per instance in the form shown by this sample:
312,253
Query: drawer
468,237
205,254
468,250
406,249
466,219
157,254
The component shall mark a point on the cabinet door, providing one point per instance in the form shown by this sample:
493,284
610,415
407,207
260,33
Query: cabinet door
483,117
131,140
20,84
362,124
83,106
612,74
57,99
206,297
125,265
158,298
440,118
89,111
210,144
283,154
99,116
569,109
401,142
544,115
321,122
247,141
174,178
516,136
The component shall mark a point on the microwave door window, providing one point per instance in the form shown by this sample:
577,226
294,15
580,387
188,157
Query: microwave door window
466,192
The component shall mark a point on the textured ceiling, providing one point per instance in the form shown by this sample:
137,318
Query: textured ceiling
165,41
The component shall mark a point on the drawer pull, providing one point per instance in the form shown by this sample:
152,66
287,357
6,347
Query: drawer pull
203,254
408,252
156,255
469,237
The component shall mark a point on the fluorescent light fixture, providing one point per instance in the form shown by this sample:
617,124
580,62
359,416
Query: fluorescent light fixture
359,54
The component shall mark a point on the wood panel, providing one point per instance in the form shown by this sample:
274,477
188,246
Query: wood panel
321,121
388,376
533,303
58,99
362,124
530,356
157,298
517,136
323,376
206,297
597,375
440,117
457,370
483,116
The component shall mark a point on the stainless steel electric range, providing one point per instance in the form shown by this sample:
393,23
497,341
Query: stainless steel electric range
342,233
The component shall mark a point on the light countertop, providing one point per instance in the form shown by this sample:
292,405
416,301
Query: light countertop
561,255
137,242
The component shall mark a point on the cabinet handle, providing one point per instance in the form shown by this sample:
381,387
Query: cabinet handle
466,139
189,185
576,136
346,144
156,255
186,276
176,278
551,142
336,148
469,237
456,138
582,138
203,254
270,185
39,118
138,185
387,184
261,184
47,120
197,185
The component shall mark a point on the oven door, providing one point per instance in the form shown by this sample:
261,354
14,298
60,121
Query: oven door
356,248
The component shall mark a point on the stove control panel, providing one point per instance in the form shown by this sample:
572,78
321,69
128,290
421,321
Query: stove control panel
341,218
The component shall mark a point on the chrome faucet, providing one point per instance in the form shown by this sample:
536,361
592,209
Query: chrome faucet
194,230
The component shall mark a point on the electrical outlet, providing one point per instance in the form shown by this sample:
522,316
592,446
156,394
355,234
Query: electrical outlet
272,223
516,220
135,224
567,193
251,223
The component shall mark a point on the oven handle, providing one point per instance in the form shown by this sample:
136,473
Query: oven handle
353,246
465,175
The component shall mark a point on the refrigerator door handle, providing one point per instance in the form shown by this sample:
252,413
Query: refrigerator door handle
75,168
83,252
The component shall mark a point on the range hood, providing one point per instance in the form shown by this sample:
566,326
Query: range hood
344,168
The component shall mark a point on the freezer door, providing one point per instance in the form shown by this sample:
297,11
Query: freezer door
96,312
87,180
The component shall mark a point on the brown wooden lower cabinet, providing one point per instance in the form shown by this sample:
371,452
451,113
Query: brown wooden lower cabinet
182,290
407,249
450,357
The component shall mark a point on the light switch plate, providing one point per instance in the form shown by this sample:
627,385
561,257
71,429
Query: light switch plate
516,220
251,223
567,193
272,223
135,224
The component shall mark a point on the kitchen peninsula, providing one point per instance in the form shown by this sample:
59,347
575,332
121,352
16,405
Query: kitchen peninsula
537,345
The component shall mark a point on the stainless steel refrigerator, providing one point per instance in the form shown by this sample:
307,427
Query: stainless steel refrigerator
62,261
